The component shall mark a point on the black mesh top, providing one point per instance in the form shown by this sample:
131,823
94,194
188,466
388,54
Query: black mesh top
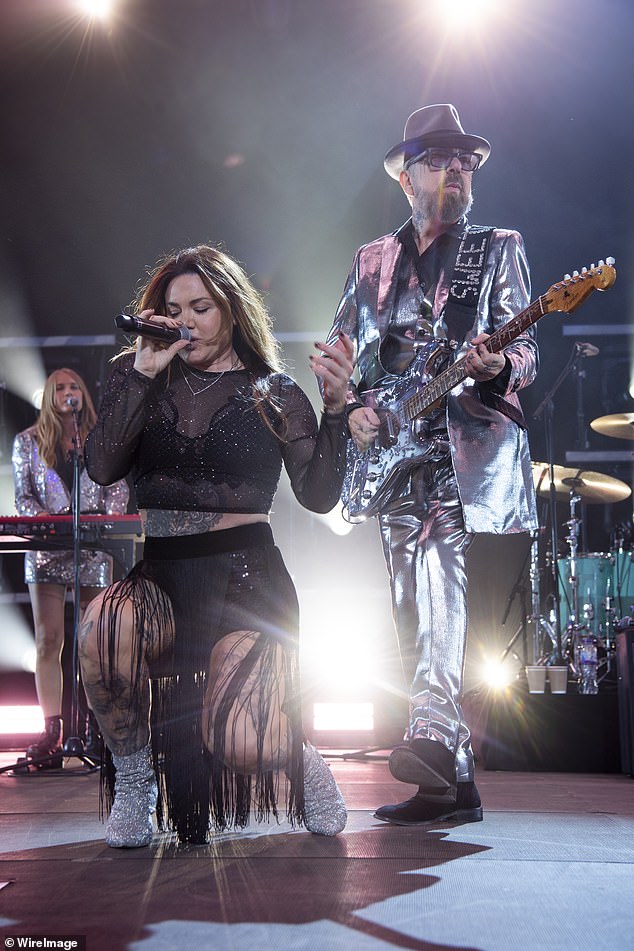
210,450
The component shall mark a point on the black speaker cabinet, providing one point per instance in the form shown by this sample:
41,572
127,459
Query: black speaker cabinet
625,666
566,733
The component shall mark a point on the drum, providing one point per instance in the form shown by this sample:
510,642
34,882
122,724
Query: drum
594,583
622,587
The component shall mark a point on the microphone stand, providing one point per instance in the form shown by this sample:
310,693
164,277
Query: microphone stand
518,589
582,441
547,408
74,745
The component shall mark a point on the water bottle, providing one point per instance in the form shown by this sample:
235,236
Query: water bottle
588,665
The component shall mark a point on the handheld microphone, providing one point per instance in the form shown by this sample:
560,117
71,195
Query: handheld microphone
72,401
147,328
586,349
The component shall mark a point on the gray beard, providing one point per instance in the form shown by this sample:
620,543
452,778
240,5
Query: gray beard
448,211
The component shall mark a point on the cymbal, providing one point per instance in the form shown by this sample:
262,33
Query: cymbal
620,425
591,487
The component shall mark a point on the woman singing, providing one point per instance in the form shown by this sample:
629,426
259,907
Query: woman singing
191,663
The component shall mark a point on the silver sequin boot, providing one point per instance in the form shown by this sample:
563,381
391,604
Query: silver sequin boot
129,824
324,808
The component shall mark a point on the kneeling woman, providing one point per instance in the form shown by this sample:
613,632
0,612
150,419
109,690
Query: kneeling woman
191,662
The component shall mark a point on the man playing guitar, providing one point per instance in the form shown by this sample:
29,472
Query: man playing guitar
435,285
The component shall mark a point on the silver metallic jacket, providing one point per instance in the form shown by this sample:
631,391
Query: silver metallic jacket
489,449
39,490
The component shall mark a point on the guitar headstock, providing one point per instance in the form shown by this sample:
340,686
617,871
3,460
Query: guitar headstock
568,294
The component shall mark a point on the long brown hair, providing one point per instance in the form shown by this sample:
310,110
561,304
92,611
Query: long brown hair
243,311
232,291
48,428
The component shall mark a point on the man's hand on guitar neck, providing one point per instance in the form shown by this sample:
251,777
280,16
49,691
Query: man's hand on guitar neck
363,424
480,363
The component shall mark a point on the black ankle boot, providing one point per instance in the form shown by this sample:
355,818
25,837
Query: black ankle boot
46,752
463,806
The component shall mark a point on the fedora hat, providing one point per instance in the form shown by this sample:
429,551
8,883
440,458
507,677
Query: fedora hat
432,126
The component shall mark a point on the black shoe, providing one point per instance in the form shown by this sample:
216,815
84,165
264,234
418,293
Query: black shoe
424,763
46,752
419,810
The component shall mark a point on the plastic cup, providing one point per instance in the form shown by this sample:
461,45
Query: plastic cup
558,679
536,677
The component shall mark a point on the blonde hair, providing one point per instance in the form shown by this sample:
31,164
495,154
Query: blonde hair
48,428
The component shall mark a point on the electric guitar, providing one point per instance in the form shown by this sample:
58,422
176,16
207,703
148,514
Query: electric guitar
404,402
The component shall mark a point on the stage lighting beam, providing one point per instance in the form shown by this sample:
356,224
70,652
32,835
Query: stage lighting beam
97,9
463,13
343,717
497,674
23,719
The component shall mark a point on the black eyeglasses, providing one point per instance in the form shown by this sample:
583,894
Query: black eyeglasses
442,158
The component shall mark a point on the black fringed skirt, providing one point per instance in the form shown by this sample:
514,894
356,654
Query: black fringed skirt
215,583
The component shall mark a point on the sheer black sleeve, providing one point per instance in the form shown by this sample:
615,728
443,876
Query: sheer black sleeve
111,445
314,455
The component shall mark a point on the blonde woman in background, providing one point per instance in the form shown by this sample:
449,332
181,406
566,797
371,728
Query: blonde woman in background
43,476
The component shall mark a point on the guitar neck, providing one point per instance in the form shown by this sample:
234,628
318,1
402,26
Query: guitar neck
456,373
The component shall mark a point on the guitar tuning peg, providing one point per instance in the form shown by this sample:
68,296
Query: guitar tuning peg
567,277
575,273
610,261
601,263
593,266
584,270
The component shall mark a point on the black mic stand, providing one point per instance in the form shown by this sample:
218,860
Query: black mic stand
518,589
74,745
582,442
547,408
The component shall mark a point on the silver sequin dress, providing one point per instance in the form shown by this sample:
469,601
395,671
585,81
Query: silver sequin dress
40,490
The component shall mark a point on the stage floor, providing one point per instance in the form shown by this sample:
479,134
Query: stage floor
551,866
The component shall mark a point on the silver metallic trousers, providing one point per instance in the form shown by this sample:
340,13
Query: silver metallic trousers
425,545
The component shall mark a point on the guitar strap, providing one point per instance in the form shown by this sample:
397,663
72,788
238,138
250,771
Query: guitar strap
461,309
470,252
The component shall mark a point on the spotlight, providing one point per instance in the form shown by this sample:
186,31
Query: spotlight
463,12
21,719
498,674
351,717
340,651
97,9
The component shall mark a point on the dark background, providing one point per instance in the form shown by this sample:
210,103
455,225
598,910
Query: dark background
262,124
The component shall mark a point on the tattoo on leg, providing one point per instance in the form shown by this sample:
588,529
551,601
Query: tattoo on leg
123,716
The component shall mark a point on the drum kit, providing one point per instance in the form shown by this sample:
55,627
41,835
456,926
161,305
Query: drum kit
595,590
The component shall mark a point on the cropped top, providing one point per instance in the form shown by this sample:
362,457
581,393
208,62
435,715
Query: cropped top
196,441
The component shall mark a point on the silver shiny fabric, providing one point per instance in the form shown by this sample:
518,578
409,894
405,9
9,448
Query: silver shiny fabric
485,485
39,490
425,550
130,824
489,450
324,808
